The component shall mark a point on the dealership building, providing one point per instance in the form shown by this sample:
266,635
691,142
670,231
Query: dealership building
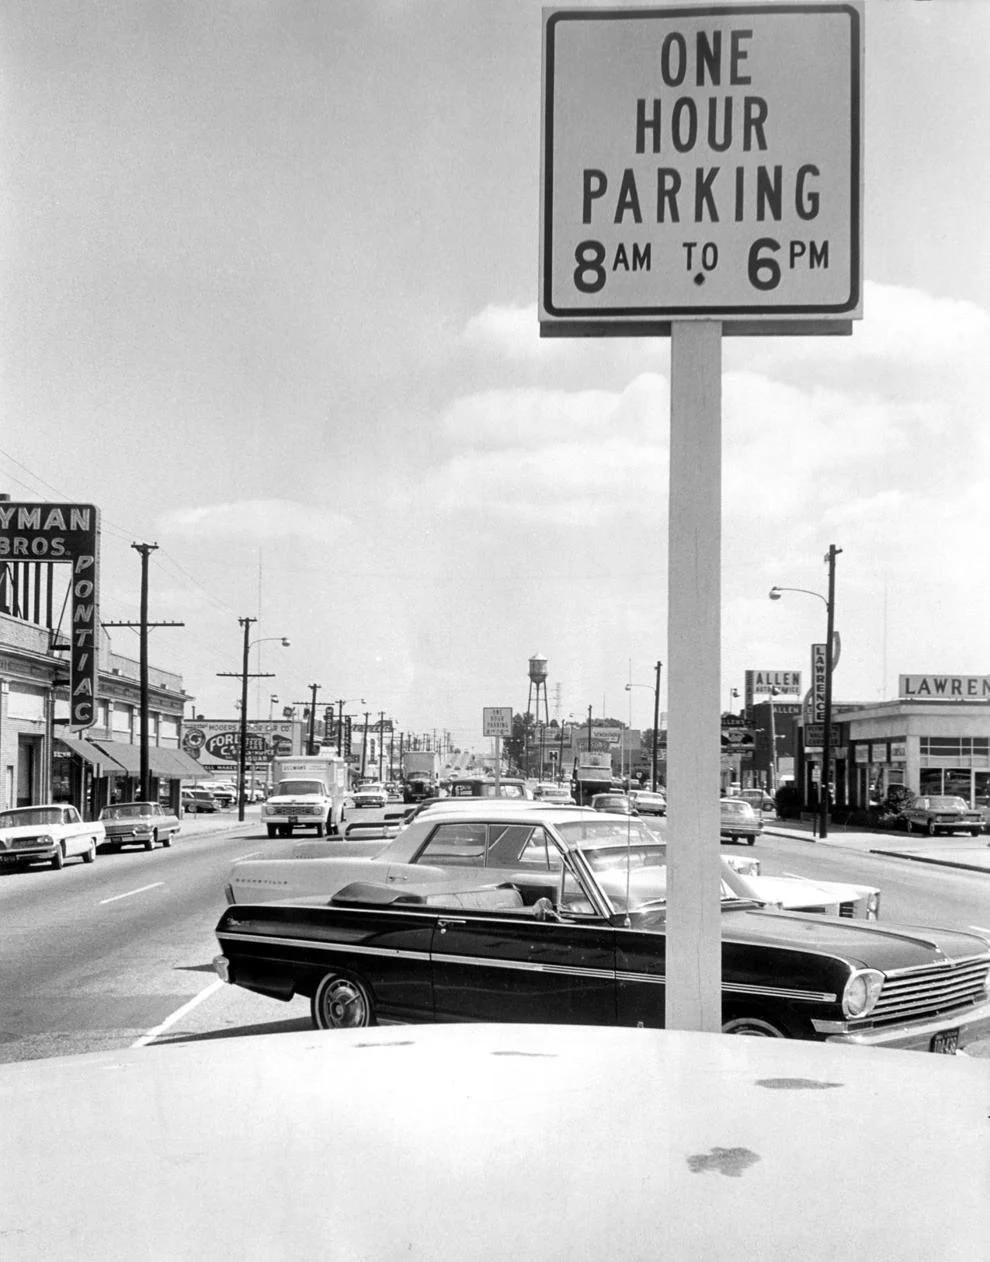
44,757
938,744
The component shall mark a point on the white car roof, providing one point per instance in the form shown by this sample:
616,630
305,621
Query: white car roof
714,1147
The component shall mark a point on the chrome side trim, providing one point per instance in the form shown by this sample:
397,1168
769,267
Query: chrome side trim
349,947
522,966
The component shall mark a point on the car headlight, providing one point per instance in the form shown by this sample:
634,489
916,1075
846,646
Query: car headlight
861,992
268,810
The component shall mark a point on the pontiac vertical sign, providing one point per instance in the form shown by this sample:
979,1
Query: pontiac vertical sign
65,534
701,162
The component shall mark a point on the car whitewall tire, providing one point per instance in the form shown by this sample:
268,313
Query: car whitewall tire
341,1002
753,1027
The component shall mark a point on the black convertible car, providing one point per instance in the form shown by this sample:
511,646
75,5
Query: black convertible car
588,947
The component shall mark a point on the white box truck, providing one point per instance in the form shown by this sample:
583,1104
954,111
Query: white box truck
308,792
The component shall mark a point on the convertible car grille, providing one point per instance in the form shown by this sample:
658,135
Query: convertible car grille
927,991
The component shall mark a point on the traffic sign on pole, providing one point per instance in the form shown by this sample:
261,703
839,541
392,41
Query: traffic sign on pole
702,163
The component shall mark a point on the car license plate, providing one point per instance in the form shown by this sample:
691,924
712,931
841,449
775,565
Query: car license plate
946,1041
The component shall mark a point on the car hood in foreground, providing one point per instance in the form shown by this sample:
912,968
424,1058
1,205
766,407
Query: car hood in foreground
281,1145
869,944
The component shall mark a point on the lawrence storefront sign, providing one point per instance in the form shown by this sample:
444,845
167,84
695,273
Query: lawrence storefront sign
66,534
944,687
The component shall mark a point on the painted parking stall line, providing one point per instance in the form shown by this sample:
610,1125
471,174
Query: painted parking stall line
178,1014
131,893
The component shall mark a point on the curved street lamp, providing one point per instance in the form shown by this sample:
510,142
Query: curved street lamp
829,603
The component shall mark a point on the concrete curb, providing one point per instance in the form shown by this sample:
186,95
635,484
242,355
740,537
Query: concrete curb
864,846
939,863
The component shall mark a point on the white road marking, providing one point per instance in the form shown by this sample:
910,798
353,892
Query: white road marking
130,892
178,1014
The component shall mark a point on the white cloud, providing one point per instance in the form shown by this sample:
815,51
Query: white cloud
256,521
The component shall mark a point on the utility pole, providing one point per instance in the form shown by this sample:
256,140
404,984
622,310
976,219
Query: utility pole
244,675
364,744
830,556
589,727
145,550
381,741
314,689
656,725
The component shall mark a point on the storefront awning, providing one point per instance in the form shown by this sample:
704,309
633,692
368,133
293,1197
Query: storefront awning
175,764
128,757
166,764
90,753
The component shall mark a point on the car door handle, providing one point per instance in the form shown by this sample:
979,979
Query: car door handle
442,924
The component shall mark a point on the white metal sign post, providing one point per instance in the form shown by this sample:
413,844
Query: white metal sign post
701,176
497,722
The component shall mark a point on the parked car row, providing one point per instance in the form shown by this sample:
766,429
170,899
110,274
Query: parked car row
55,832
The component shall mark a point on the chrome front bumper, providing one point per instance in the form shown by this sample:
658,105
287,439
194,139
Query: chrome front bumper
973,1025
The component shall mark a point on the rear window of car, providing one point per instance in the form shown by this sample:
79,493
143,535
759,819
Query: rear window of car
456,843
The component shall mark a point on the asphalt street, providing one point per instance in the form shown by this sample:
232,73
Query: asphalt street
119,953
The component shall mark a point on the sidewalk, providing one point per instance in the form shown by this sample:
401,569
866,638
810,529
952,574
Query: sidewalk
972,853
203,825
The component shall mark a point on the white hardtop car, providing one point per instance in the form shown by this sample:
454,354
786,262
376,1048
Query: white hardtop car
519,842
51,833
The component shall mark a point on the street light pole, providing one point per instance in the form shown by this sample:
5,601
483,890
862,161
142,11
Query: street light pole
656,729
829,603
833,551
773,745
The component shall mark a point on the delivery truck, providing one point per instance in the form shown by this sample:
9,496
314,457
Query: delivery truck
308,792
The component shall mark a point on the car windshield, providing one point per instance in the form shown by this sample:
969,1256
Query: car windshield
635,876
947,803
287,788
129,810
30,816
736,808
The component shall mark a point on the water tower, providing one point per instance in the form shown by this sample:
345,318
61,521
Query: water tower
538,680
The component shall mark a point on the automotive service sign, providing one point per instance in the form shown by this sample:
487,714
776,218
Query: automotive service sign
65,534
217,745
701,162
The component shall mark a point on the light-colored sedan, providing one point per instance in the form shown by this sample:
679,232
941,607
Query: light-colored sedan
508,842
647,802
739,822
372,795
47,834
138,824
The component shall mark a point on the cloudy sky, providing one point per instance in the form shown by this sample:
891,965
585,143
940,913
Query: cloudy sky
269,277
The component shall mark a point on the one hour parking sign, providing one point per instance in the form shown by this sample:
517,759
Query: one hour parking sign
701,162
